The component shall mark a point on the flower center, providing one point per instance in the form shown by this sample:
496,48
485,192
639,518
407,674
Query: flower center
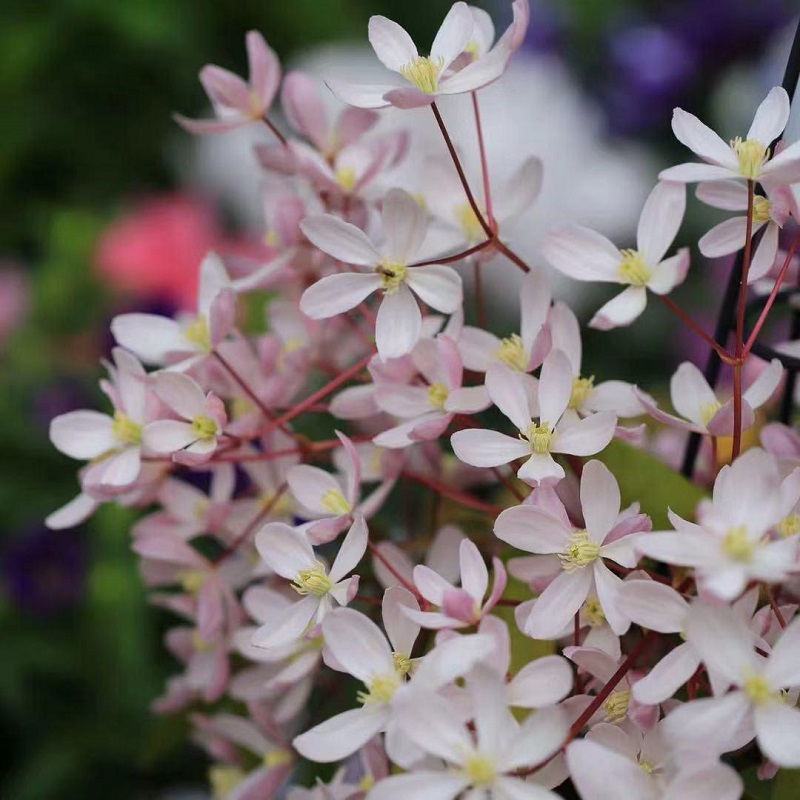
593,612
737,545
512,352
761,207
581,389
788,526
224,778
402,663
312,581
752,156
579,552
392,273
632,268
276,757
335,502
707,410
192,580
541,437
468,220
125,429
646,766
437,395
204,427
200,644
380,689
346,178
757,689
471,47
479,769
197,332
616,705
423,72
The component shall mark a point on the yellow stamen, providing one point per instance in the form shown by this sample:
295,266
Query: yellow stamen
468,221
540,437
125,429
192,580
200,644
579,552
402,663
752,156
204,427
380,689
392,273
581,389
197,332
423,72
271,237
224,778
346,178
789,526
472,48
366,783
312,581
479,769
737,545
616,705
757,689
335,502
707,410
276,757
593,612
512,352
437,395
761,208
632,268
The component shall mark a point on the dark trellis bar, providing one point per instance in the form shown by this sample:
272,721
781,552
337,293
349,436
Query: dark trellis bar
727,312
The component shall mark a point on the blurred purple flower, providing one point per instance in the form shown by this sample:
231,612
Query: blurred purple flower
44,571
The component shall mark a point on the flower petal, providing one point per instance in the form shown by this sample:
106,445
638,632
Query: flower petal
341,735
487,448
660,220
357,644
340,239
778,732
771,116
727,237
620,310
83,434
582,254
437,285
600,500
667,676
556,606
398,324
700,139
335,294
404,223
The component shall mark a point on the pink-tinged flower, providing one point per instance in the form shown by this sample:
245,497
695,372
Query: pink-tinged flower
235,101
747,159
579,552
729,236
113,443
306,113
783,442
381,662
613,761
428,409
288,553
524,351
586,397
482,764
399,321
462,607
758,704
226,735
559,429
334,504
194,438
585,255
434,75
728,545
699,407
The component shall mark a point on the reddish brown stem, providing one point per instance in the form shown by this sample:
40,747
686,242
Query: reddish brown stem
487,195
386,563
774,606
453,494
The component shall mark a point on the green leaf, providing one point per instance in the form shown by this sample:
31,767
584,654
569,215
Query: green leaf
787,785
657,487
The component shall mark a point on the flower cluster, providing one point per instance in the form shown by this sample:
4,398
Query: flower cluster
335,507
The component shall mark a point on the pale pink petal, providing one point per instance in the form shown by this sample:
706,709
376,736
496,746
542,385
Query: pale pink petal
352,550
430,722
531,529
660,220
783,666
430,584
335,294
588,436
620,310
408,97
667,676
555,387
607,585
690,393
582,254
181,393
352,124
474,575
517,789
600,499
437,285
534,306
540,467
723,642
670,272
668,419
289,627
284,550
73,513
453,35
421,785
690,173
398,324
566,334
507,392
357,644
122,468
341,735
700,139
715,780
402,632
340,239
487,448
479,73
771,116
520,192
404,223
679,548
203,126
598,773
778,731
83,434
556,606
360,95
784,168
265,70
617,396
765,254
727,195
168,436
149,336
542,682
303,107
310,484
763,387
653,605
225,89
391,43
468,400
727,237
